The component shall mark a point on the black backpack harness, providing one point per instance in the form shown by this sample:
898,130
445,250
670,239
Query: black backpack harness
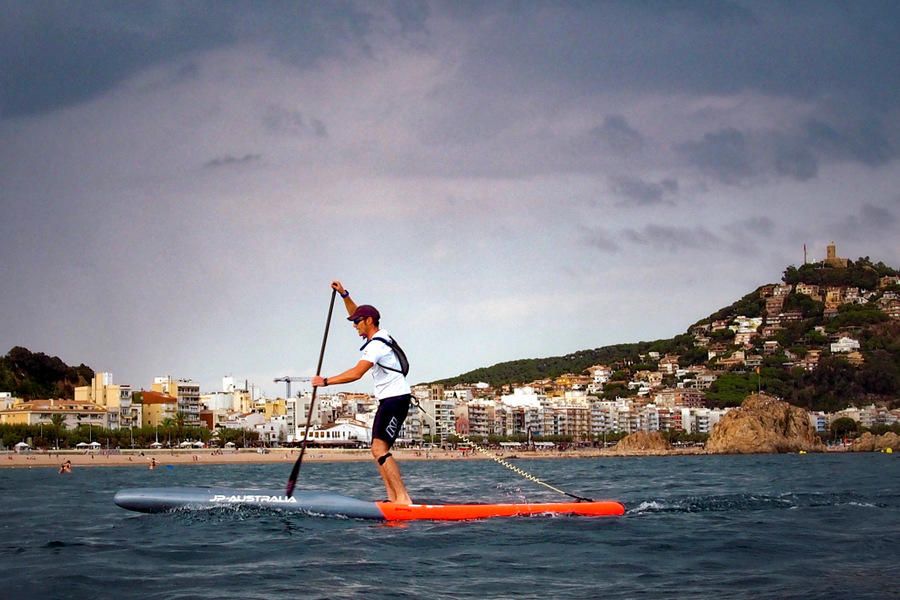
398,352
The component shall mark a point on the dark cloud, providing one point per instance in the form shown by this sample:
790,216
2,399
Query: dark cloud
870,221
617,135
673,238
794,158
751,228
59,53
724,154
799,154
55,54
849,50
863,142
277,119
228,160
638,192
600,239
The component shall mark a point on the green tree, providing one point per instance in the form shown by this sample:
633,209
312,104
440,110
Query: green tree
58,423
843,427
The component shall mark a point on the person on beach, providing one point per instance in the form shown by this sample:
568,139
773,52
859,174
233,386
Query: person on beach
391,390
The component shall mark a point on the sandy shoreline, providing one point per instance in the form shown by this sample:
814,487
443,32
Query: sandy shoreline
142,458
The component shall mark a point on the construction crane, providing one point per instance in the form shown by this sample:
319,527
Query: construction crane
288,381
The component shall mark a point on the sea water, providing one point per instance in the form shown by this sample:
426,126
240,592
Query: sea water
785,526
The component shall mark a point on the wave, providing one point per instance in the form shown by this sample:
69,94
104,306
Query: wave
749,502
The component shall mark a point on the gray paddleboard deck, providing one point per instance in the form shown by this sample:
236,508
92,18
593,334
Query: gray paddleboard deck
154,500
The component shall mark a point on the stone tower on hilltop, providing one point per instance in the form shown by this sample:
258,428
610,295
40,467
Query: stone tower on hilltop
832,259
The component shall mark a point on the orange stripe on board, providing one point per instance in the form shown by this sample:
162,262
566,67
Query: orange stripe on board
459,512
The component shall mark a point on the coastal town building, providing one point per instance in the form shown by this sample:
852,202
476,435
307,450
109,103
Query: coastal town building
116,399
845,344
187,394
7,400
73,413
344,432
157,408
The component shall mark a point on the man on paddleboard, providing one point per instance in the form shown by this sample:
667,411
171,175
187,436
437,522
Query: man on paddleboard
391,390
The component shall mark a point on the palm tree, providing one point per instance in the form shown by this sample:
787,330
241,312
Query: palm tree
167,424
179,425
59,422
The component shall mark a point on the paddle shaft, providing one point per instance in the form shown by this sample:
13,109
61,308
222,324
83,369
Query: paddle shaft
295,472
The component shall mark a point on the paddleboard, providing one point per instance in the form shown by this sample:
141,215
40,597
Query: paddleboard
154,500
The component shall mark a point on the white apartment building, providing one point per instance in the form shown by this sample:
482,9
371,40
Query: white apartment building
700,420
844,344
819,421
344,432
274,430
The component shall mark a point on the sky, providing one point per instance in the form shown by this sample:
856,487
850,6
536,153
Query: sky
181,181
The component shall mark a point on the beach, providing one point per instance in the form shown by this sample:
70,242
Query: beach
143,458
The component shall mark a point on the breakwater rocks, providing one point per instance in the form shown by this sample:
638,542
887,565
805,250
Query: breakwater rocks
868,442
764,425
643,442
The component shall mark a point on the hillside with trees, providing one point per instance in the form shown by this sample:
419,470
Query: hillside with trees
31,375
791,349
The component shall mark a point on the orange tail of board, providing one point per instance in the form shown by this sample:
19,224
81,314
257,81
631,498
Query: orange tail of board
459,512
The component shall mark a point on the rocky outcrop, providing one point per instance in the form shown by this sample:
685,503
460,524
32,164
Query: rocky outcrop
868,442
643,442
764,424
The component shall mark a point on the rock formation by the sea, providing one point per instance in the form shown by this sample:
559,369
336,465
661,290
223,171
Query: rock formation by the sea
764,424
643,442
868,442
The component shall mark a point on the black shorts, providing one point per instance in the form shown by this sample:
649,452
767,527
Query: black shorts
389,418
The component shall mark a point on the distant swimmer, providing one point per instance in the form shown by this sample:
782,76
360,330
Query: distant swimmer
152,463
66,467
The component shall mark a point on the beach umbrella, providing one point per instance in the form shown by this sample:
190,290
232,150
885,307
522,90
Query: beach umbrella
21,446
94,445
81,445
198,444
185,444
229,445
156,445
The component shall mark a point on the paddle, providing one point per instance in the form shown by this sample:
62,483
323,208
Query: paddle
295,472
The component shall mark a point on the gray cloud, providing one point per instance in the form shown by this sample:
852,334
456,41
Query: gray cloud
696,47
277,119
617,135
868,223
673,238
599,239
795,159
724,154
755,226
56,54
229,160
61,53
638,192
863,142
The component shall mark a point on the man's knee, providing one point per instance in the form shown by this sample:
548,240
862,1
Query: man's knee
379,448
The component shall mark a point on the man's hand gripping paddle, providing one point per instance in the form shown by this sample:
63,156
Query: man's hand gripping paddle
295,472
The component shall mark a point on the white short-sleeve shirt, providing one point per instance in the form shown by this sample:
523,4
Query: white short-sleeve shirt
387,383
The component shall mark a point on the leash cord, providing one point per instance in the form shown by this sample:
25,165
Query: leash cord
500,461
